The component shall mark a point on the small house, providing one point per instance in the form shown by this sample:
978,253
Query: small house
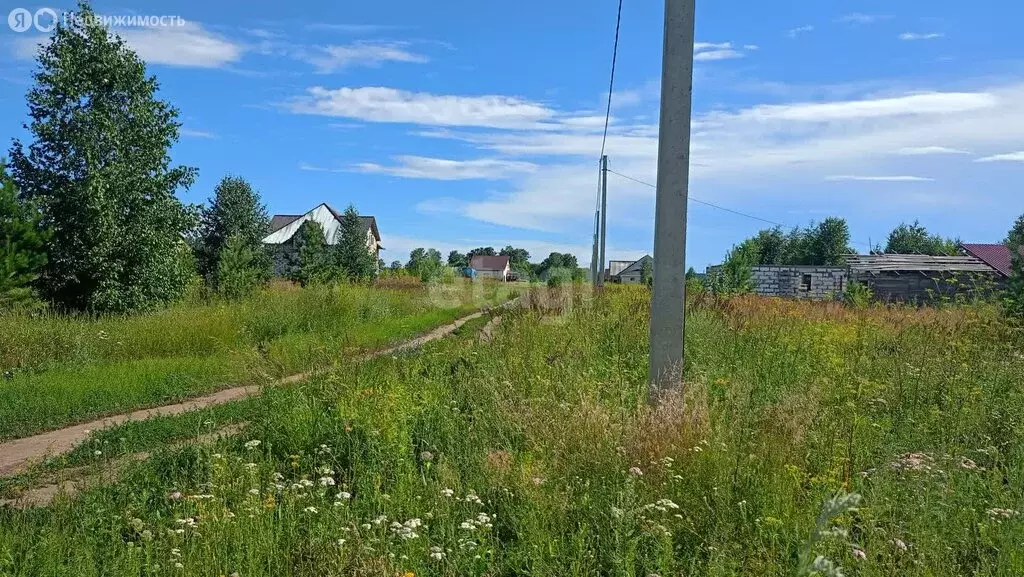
496,267
634,273
614,268
918,277
283,227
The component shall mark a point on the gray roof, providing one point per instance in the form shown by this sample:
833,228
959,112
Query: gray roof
637,266
279,221
877,263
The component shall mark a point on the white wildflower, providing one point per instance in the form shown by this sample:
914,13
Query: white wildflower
254,491
447,492
1001,514
252,444
636,472
436,553
311,510
343,496
327,481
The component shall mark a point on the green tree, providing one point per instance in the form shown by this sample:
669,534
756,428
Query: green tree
827,243
314,257
416,257
915,239
735,275
22,243
457,259
396,265
518,257
647,272
1015,242
99,168
483,251
354,259
240,270
691,273
235,210
556,260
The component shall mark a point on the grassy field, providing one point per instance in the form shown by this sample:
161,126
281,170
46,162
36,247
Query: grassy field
533,454
61,370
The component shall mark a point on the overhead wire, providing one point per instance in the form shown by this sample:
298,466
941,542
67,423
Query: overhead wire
711,204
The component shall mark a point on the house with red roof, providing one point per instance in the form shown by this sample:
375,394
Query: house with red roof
498,267
996,256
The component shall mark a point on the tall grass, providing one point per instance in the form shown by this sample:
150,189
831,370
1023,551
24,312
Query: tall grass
63,369
533,453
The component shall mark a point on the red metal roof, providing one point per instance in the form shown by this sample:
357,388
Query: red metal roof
996,256
482,262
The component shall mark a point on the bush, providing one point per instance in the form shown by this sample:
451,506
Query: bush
858,295
240,270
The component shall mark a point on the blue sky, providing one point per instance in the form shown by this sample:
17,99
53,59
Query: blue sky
460,124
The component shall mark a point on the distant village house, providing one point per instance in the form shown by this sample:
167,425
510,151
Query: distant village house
979,271
283,228
496,267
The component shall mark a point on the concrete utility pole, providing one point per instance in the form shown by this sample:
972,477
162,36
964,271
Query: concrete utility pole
597,233
668,302
604,218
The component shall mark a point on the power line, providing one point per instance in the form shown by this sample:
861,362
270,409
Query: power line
704,202
611,82
712,205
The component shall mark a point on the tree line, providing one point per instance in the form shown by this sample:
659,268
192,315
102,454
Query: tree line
825,243
89,214
427,263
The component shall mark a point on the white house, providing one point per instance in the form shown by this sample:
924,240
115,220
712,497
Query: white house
498,267
284,226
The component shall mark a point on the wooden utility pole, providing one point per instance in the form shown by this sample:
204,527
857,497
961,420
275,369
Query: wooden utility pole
668,301
604,218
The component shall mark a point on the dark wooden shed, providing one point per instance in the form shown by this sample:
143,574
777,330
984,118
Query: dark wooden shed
922,278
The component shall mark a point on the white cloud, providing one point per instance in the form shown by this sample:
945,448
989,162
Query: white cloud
1008,157
920,35
910,105
188,46
760,147
191,133
859,18
711,51
751,47
794,32
845,177
927,150
313,168
185,46
381,104
700,46
327,59
712,55
444,169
